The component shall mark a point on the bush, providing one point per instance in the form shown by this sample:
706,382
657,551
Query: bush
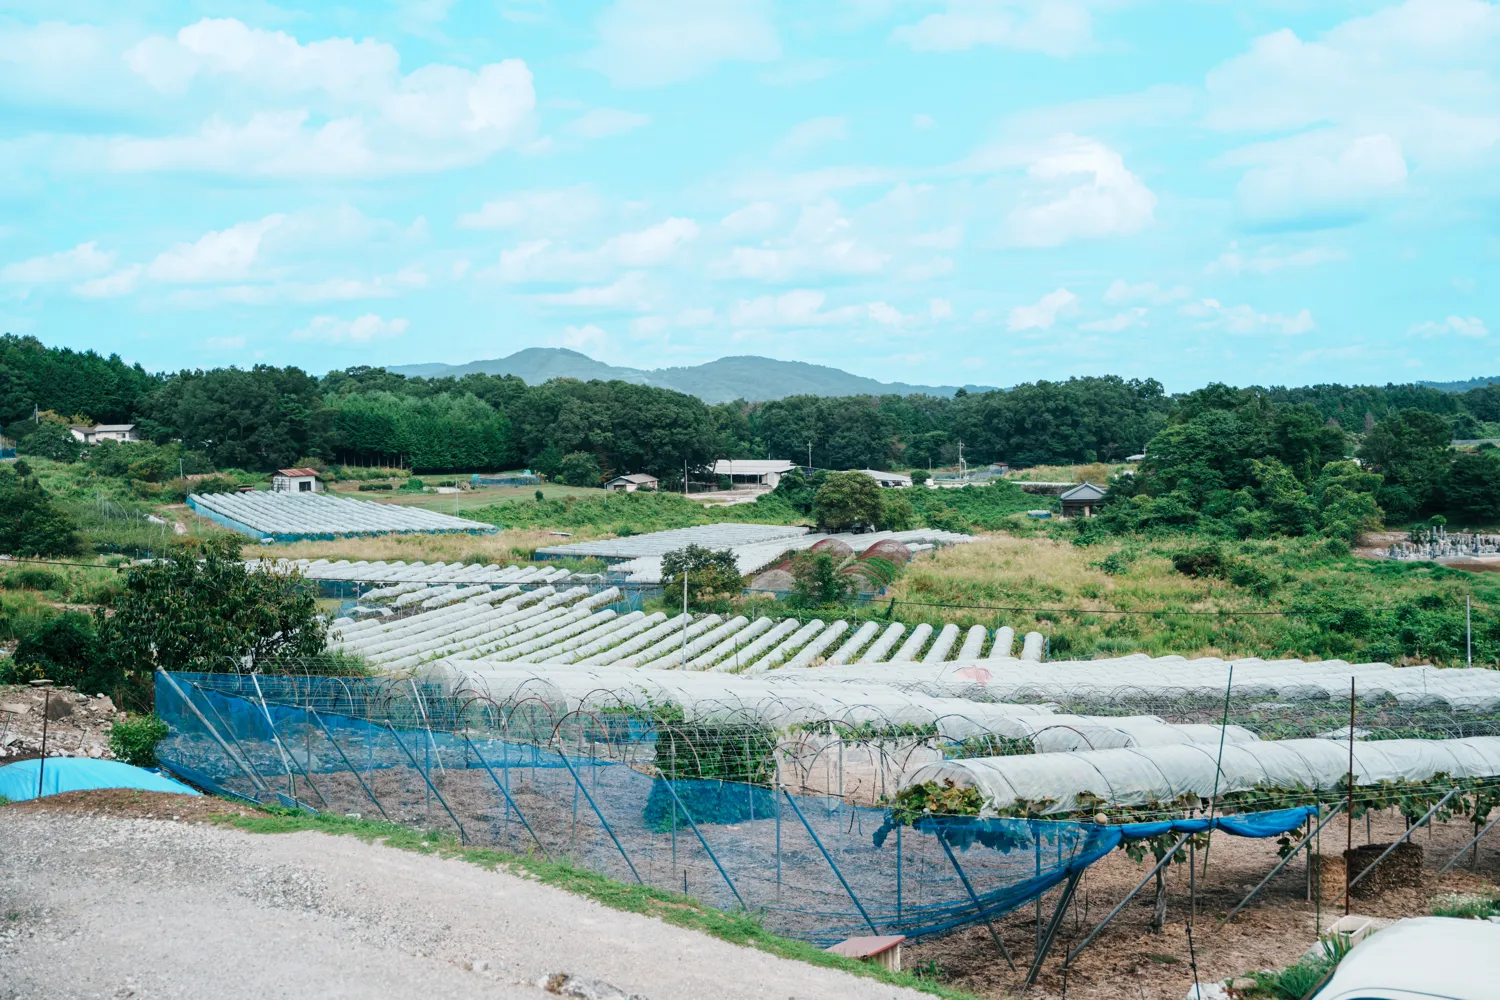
896,513
819,582
64,650
847,501
373,487
578,468
1202,561
50,440
134,740
34,579
413,484
712,578
31,524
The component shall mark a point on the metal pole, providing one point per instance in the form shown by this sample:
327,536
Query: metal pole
463,836
628,863
1166,858
509,801
1057,916
1399,840
697,833
1349,816
829,858
1470,844
974,898
1469,630
41,764
1218,773
352,769
898,871
1284,861
250,771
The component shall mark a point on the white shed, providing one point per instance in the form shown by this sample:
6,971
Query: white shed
296,481
753,471
631,483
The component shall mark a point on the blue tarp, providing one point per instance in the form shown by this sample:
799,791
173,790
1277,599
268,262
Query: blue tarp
74,774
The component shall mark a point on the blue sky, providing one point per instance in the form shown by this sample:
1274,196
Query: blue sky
986,191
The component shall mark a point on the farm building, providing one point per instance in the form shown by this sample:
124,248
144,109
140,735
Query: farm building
753,472
1082,500
105,432
296,481
631,483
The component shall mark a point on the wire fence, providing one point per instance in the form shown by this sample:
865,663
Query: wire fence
635,797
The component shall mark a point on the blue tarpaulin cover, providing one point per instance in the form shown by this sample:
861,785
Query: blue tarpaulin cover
74,774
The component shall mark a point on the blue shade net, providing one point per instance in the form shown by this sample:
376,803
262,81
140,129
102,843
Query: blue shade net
23,780
813,866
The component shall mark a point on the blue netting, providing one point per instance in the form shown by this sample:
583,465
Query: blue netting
816,867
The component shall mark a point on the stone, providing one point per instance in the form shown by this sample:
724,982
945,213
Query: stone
565,984
1242,984
14,708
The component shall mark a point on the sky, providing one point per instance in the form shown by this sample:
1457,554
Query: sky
961,191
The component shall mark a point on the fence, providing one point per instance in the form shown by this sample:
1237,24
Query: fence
623,794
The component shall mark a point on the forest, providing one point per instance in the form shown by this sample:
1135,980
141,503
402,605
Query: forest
1239,461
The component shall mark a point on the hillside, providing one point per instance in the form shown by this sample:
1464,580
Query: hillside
1464,386
744,377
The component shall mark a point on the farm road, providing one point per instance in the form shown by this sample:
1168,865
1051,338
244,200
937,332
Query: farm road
110,907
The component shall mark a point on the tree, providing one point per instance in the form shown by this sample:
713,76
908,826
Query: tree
578,468
819,584
1472,487
847,501
1410,450
51,440
711,577
896,512
64,650
200,609
31,524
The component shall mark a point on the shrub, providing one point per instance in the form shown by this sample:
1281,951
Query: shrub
847,501
819,582
712,578
64,649
34,579
1202,561
134,740
578,468
51,440
414,484
373,487
31,524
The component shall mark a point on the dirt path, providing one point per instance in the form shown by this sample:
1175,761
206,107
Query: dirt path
119,906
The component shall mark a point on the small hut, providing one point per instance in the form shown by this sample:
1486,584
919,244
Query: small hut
1082,500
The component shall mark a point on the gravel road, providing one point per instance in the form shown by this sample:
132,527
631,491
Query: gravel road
110,907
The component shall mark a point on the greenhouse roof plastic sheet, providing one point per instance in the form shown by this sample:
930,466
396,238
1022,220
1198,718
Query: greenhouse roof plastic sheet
785,702
755,546
1156,775
363,571
288,516
1134,678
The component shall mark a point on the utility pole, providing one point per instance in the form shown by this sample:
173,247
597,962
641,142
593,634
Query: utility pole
809,457
1469,630
684,493
961,473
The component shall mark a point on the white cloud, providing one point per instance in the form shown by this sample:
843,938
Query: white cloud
1044,312
1471,326
1121,291
361,330
110,286
628,292
1135,316
754,218
814,132
923,122
650,43
1242,319
1055,27
1295,182
649,247
83,261
223,255
1270,260
885,314
588,339
551,210
823,241
225,343
1355,108
800,307
940,309
1078,188
601,123
335,107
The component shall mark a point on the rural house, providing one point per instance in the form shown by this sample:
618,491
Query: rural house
1082,500
631,483
296,481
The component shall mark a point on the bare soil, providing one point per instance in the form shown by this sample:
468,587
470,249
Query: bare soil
1130,962
132,803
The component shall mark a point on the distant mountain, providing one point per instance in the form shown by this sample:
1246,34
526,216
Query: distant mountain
744,377
1473,383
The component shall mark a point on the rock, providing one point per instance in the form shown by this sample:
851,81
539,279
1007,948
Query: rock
480,965
1242,984
59,708
14,708
565,984
1207,991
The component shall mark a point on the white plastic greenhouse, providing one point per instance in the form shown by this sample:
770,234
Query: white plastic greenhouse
414,573
1143,776
310,515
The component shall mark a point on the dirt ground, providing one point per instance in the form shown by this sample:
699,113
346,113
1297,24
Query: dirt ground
1129,962
79,726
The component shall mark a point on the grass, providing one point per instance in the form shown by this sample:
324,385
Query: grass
631,513
743,929
508,546
444,503
1465,905
1348,608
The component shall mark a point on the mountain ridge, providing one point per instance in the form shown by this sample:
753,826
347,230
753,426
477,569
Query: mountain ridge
745,376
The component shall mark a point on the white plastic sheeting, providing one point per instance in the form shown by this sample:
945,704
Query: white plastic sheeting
321,514
404,576
1142,776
